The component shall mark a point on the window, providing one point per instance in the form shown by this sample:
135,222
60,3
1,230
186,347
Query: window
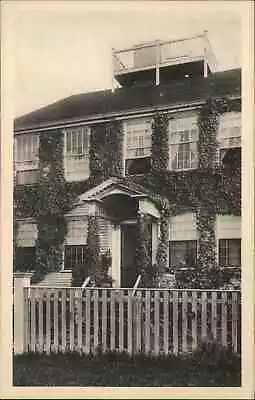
77,153
138,146
183,137
25,258
230,252
74,255
27,234
27,177
26,158
229,137
183,253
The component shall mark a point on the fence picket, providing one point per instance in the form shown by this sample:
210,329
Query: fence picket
71,320
156,323
137,320
55,322
130,322
104,319
112,320
26,320
234,321
40,319
87,321
166,322
204,315
48,322
121,323
79,320
224,300
184,320
175,322
194,320
214,315
33,320
147,321
63,320
96,325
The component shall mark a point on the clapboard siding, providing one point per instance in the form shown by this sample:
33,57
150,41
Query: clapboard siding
183,227
77,231
228,227
104,234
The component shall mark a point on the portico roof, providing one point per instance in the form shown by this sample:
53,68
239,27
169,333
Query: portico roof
116,186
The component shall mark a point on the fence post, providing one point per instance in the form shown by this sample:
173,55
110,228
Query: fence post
21,280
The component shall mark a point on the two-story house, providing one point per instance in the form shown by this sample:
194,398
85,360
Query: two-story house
111,141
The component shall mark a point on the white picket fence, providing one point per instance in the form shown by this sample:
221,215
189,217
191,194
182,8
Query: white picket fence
151,321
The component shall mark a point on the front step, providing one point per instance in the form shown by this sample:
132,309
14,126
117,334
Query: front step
57,279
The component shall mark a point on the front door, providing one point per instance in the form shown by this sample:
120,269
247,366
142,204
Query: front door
128,247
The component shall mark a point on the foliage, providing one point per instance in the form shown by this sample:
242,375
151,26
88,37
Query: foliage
143,250
162,250
102,277
159,149
106,150
93,244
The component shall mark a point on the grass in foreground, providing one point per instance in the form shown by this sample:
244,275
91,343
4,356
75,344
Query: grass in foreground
114,370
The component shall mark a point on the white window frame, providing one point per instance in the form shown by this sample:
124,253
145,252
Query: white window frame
78,158
186,124
139,131
27,233
26,158
229,132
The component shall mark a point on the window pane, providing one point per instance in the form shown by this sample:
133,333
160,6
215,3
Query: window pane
183,253
69,142
74,255
230,252
138,143
183,132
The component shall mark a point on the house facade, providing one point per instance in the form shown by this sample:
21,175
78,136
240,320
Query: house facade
155,164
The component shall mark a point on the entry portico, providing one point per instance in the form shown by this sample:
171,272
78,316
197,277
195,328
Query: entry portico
118,205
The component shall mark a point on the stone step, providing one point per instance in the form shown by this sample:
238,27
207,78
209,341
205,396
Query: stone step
57,279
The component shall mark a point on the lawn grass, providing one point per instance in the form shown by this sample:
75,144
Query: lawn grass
121,370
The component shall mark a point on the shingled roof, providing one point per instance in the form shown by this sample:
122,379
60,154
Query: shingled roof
92,104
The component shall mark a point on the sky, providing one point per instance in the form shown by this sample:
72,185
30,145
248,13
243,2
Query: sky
64,48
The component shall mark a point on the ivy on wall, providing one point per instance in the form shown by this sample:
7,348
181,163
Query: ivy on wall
160,145
47,202
106,150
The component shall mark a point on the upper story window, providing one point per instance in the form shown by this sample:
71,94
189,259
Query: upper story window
26,148
183,138
229,138
138,146
77,153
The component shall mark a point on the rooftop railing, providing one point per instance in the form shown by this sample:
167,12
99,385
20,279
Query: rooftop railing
163,53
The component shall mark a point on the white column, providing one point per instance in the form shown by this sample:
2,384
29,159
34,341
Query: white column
21,280
154,240
116,255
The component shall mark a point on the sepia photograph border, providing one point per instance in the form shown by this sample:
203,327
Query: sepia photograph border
246,391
